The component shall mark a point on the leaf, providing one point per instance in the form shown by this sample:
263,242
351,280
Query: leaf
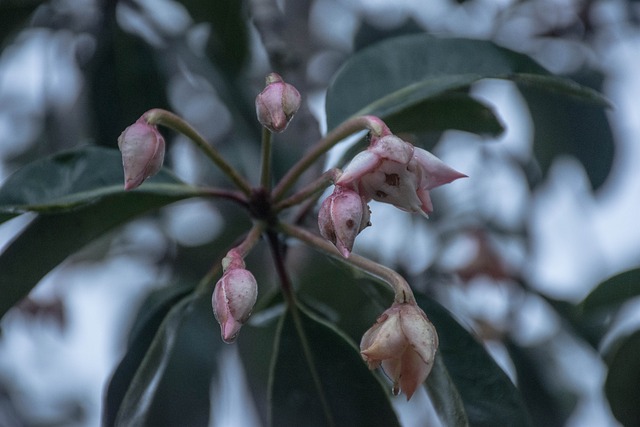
613,292
79,187
329,384
399,73
621,385
171,386
489,396
565,125
445,396
71,179
228,44
150,317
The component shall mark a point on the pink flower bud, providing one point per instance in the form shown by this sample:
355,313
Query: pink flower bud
277,103
404,342
342,216
393,171
142,148
233,299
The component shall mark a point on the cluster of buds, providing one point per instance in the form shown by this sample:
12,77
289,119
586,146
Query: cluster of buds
404,342
234,296
391,171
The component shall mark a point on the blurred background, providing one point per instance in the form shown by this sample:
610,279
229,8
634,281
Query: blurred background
506,249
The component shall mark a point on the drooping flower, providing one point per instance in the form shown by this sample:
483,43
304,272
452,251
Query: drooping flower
142,147
233,299
342,216
404,342
277,103
393,171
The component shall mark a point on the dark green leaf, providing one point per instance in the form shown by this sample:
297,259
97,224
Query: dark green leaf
565,125
613,292
228,44
71,179
398,76
150,316
621,385
329,384
445,397
171,385
13,15
489,396
98,203
451,110
550,402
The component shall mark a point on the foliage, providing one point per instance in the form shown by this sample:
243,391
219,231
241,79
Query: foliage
300,353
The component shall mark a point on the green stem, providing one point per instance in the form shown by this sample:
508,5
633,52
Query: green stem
249,241
292,305
170,120
402,290
322,182
265,176
347,128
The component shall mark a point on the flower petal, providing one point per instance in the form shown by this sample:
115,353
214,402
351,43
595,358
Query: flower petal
434,171
363,163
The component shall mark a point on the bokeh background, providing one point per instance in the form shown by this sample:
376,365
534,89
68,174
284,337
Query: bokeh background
74,72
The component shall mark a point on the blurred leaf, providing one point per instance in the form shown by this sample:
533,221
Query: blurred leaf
621,385
549,403
345,394
171,386
228,44
451,110
445,396
566,126
75,178
13,15
613,292
82,180
150,317
489,396
396,74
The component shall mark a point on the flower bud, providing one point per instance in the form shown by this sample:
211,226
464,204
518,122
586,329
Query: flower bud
404,342
233,299
277,103
142,147
343,215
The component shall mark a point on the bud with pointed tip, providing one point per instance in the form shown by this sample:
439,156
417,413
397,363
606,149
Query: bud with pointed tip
277,103
393,171
404,342
142,147
343,215
233,299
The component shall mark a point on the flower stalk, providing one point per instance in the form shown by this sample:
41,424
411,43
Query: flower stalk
158,116
402,290
349,127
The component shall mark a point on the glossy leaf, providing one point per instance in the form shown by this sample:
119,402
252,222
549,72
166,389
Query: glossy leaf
329,385
228,43
150,317
82,201
177,370
614,291
489,396
621,385
396,74
445,396
565,125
